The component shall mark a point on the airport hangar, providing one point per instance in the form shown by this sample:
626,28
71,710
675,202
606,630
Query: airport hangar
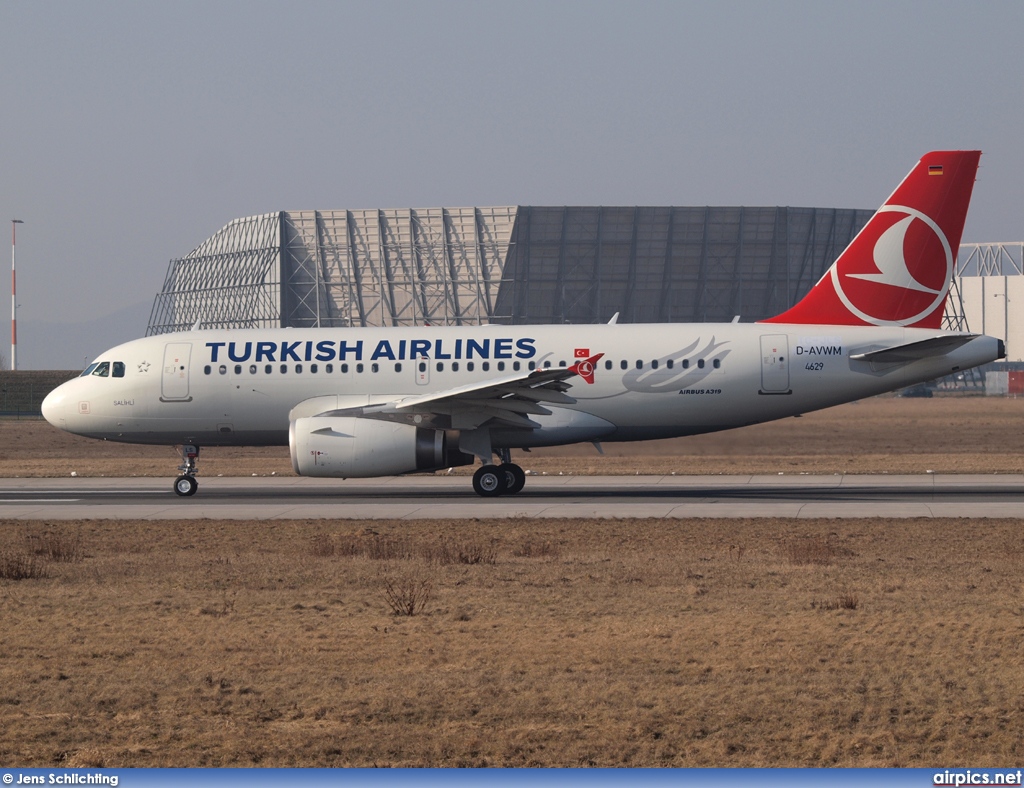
539,265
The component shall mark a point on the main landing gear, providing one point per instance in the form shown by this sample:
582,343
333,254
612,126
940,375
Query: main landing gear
186,484
505,479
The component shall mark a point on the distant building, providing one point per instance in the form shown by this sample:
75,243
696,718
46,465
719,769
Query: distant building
990,278
519,265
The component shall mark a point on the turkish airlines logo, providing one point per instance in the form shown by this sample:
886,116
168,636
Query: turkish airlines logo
899,272
585,368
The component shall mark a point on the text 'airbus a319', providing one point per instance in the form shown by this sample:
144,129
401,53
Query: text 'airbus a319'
359,402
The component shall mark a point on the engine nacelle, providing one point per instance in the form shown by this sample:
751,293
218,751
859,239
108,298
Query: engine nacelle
347,447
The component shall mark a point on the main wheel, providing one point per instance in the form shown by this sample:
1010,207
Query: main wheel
515,478
185,485
489,481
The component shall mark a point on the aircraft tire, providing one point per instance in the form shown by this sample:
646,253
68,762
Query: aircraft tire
185,486
515,478
489,481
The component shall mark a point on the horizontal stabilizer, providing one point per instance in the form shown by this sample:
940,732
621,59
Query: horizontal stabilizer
915,351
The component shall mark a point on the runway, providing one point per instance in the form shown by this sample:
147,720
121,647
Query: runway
430,497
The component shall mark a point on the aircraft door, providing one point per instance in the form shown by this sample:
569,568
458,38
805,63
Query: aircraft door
174,379
775,364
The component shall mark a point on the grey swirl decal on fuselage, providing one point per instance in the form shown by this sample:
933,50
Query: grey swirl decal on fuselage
699,363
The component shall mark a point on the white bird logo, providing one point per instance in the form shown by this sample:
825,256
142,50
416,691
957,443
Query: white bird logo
890,260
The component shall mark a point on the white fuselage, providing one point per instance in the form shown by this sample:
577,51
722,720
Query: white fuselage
239,387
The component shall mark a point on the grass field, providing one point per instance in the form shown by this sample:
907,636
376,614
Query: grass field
565,643
540,643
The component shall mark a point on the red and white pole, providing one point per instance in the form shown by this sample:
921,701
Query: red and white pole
14,295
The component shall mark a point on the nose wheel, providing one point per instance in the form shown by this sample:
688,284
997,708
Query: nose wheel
186,484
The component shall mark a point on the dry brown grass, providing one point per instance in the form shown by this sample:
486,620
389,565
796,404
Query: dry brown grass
588,642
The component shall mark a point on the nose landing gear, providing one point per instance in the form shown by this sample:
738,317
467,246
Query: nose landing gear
186,483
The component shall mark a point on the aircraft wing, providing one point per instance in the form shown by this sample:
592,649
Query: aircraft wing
506,402
915,351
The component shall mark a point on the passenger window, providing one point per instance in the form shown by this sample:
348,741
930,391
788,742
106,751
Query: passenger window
700,363
654,364
298,368
329,368
639,364
686,363
486,366
608,364
440,366
670,363
561,363
455,366
344,369
501,366
223,369
533,365
718,363
102,370
238,369
268,369
207,370
624,364
423,366
284,369
398,367
359,367
252,369
118,369
515,365
547,365
375,367
469,366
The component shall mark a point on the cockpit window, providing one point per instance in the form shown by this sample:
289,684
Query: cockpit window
118,369
88,370
102,370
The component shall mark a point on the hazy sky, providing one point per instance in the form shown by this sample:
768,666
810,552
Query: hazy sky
133,131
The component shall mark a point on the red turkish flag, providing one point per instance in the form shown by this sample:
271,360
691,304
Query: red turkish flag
582,352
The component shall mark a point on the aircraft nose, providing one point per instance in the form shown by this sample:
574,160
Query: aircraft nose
55,408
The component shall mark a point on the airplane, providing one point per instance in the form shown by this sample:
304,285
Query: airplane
363,402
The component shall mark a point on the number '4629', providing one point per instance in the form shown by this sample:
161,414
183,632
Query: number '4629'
815,366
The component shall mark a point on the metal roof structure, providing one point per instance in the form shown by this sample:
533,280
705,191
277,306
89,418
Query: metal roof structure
992,259
509,264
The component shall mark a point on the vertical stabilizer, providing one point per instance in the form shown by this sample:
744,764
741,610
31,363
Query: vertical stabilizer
898,269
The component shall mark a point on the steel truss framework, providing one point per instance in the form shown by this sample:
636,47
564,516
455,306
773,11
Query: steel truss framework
450,266
232,280
994,259
392,268
974,260
989,278
341,268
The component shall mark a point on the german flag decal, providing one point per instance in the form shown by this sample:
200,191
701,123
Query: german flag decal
935,169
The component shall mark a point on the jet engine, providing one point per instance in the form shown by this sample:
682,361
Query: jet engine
349,447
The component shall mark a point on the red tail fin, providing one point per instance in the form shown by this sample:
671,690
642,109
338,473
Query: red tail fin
897,271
